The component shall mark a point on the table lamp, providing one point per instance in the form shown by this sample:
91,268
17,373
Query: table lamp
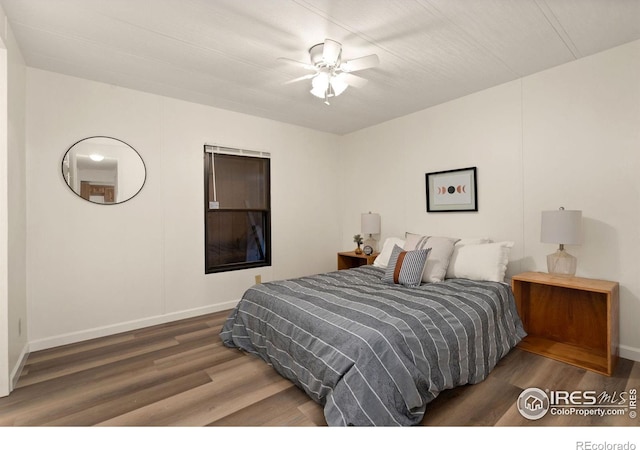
561,227
370,225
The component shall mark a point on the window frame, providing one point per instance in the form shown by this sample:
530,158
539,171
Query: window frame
209,153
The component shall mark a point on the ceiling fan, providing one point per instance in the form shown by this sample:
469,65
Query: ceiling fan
331,75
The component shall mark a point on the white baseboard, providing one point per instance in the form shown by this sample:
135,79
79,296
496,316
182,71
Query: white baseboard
84,335
628,352
17,370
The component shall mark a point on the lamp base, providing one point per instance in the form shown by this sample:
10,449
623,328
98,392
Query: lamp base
372,243
562,263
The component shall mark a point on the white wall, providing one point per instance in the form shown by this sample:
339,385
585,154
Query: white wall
482,130
568,136
13,298
17,207
4,229
95,270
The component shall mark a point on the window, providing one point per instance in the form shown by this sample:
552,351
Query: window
237,209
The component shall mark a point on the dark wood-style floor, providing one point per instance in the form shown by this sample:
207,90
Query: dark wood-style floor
181,374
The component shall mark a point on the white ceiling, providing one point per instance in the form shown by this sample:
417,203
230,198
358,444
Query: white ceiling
224,53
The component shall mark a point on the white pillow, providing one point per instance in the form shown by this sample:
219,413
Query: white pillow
413,238
472,241
382,260
454,256
460,243
415,241
439,256
481,262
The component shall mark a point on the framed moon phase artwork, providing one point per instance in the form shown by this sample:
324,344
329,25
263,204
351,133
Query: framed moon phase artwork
452,190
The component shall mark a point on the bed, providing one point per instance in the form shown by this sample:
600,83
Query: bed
374,352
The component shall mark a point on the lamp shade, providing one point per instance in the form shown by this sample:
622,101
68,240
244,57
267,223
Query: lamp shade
561,227
370,223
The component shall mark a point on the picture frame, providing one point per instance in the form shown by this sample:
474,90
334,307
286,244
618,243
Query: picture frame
452,190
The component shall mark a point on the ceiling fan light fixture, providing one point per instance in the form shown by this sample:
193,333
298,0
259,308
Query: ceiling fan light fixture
338,84
320,85
332,75
318,92
325,85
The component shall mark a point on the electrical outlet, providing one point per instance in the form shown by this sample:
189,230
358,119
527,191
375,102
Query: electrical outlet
258,279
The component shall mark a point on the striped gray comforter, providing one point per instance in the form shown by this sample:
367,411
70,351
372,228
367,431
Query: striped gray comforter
374,353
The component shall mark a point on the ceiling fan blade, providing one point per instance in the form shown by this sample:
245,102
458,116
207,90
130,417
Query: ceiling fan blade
304,77
331,51
354,80
364,62
298,63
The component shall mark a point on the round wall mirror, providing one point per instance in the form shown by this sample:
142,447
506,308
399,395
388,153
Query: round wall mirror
103,170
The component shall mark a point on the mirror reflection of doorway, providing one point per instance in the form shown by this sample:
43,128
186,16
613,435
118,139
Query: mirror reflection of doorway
112,170
97,193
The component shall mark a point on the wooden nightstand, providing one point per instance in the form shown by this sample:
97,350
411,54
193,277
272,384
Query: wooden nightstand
349,260
570,319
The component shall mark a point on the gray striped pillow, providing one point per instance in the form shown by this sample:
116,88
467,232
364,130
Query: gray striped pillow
406,267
